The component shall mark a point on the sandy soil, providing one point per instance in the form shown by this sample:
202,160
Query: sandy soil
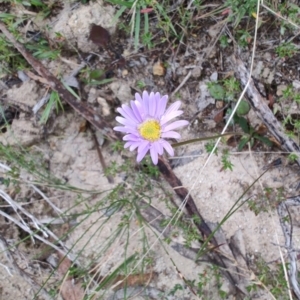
70,155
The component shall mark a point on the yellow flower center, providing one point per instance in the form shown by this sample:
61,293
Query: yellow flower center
150,130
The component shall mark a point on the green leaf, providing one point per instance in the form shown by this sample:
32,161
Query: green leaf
128,4
137,29
244,140
96,74
243,108
243,123
263,139
216,91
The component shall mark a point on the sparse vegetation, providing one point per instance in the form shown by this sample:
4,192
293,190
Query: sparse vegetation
78,208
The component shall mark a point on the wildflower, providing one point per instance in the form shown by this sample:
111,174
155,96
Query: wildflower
145,123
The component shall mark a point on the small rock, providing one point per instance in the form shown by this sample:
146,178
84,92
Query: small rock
121,90
267,56
124,73
210,124
205,98
214,76
22,76
266,72
143,61
158,69
219,104
296,84
92,95
258,68
280,89
196,72
104,106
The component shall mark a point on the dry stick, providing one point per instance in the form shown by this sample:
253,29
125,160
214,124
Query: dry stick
287,229
259,105
56,85
192,210
100,156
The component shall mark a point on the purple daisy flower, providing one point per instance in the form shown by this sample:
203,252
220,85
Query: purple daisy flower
145,123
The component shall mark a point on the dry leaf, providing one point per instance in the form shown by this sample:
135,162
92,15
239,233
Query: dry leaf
71,291
218,118
68,289
99,35
158,69
83,126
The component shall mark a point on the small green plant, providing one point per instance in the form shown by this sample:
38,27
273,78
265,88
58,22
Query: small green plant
286,50
288,92
210,146
11,60
228,90
292,157
94,77
141,84
251,135
227,164
117,146
274,279
243,38
290,12
54,102
224,41
177,287
42,50
135,7
270,198
240,9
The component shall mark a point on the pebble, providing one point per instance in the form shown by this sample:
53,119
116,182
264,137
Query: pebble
214,76
196,72
296,84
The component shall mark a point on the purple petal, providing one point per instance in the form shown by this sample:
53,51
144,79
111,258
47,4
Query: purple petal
126,129
137,110
167,117
138,98
173,107
144,145
157,112
168,147
134,145
126,122
128,144
159,147
175,125
152,104
170,135
161,106
141,154
131,137
127,113
154,155
146,101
